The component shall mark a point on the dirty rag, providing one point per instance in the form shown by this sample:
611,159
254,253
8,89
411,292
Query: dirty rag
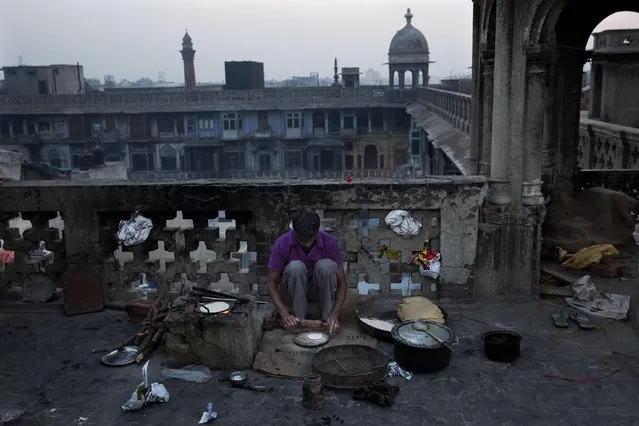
402,223
134,231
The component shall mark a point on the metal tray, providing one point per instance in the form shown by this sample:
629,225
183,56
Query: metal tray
350,366
124,356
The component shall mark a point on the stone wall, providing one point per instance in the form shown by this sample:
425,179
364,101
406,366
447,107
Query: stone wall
188,239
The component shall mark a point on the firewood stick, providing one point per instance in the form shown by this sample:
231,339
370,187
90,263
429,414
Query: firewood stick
117,347
157,337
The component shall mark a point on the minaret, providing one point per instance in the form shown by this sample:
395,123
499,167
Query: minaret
335,75
188,56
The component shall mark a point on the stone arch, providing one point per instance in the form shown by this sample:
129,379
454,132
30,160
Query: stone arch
370,156
489,16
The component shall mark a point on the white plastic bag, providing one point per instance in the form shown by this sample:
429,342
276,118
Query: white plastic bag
434,266
208,415
402,223
134,231
145,394
190,373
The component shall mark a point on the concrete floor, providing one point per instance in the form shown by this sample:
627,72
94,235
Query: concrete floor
48,372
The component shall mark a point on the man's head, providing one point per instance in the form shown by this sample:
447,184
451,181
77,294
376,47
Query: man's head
305,226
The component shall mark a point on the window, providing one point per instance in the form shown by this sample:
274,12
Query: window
293,160
44,126
348,162
142,161
168,158
232,121
349,122
205,124
59,127
190,125
43,87
262,121
293,120
401,157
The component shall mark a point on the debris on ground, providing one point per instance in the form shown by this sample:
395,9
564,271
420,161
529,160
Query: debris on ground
587,299
395,370
402,223
10,414
382,394
208,415
587,256
145,393
134,231
190,373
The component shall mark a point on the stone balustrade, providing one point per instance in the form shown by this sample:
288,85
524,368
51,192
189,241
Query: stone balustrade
154,175
452,106
219,234
607,146
204,100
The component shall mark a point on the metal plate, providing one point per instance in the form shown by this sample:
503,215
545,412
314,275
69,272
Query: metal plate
406,334
311,339
124,356
350,366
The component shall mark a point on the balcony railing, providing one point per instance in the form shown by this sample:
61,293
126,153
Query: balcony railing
224,100
187,239
607,146
451,106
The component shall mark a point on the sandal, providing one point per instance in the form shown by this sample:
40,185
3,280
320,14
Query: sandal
582,320
560,318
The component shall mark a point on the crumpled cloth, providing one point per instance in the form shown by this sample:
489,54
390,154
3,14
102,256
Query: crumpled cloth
587,299
402,223
382,394
134,231
6,256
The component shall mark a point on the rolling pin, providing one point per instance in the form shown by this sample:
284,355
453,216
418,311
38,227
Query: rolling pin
310,323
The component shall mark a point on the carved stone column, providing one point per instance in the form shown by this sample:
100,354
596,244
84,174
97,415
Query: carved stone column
538,58
501,137
488,65
476,106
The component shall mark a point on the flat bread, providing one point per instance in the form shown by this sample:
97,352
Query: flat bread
419,308
214,307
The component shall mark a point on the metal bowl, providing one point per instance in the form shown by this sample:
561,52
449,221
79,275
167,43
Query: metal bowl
237,378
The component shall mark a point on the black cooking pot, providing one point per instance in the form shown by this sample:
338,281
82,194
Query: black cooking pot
502,346
417,352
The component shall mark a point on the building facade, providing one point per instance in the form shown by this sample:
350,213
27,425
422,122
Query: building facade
194,132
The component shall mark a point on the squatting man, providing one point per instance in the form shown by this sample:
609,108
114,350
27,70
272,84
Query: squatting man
306,265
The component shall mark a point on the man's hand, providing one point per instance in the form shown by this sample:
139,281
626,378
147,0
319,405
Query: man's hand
333,324
289,320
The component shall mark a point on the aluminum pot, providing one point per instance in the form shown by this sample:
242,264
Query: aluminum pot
417,352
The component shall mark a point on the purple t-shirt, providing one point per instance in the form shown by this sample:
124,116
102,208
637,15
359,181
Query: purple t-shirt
286,249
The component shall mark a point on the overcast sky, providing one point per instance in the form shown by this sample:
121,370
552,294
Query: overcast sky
138,38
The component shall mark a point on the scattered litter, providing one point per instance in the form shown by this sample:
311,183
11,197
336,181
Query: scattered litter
135,230
587,299
82,419
53,410
208,415
190,373
144,394
428,260
402,223
395,370
587,256
41,255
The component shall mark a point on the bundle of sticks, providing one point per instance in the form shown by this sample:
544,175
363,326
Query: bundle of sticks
151,334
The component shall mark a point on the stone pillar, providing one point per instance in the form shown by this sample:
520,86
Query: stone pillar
341,119
326,122
11,129
533,146
370,122
501,137
402,74
178,160
384,121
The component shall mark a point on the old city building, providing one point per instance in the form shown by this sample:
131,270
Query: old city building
321,131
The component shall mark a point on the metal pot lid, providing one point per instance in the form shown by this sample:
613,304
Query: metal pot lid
405,333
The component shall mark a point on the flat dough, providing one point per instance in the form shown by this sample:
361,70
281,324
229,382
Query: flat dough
214,307
419,308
